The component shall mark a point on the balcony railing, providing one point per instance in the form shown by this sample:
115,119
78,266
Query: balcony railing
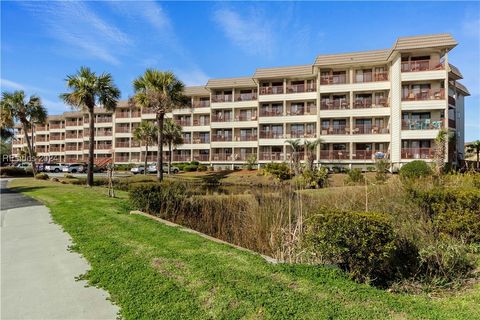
368,129
123,114
371,77
201,104
104,133
271,156
41,139
200,122
422,124
299,88
183,122
201,157
271,113
122,129
72,123
104,119
333,79
221,138
55,149
334,104
122,144
245,96
200,139
417,153
334,154
421,65
428,94
301,134
241,117
222,118
221,157
56,137
104,146
72,148
271,90
312,110
56,126
368,103
187,140
271,135
222,98
148,111
362,154
181,157
136,114
243,156
121,158
246,137
336,129
41,128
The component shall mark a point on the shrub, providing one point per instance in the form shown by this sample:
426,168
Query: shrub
381,167
363,244
354,176
202,168
280,170
415,169
251,162
54,179
68,176
165,198
13,172
124,167
194,163
370,169
313,178
41,176
190,168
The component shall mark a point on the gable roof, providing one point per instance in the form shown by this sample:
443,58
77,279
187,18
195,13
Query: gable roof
196,91
231,83
353,57
425,41
292,71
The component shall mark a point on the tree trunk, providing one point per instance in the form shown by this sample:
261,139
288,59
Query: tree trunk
160,118
91,148
169,156
146,156
29,147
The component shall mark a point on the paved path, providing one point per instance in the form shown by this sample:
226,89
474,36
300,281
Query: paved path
37,271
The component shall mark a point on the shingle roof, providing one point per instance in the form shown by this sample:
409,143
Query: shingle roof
293,71
196,91
353,57
462,88
73,114
455,71
425,41
231,82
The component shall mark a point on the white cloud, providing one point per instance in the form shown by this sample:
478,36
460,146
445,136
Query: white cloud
193,77
75,24
253,34
55,107
8,84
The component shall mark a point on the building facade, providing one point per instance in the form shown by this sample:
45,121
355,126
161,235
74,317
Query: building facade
364,105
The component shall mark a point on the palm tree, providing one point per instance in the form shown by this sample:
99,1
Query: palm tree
15,106
145,133
88,90
295,159
474,148
161,92
440,150
6,123
311,149
172,134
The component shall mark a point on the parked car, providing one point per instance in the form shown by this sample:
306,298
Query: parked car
138,169
75,168
153,168
24,165
54,167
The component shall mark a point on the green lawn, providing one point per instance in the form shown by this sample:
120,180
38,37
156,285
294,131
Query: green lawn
153,271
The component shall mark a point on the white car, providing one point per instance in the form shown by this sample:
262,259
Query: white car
138,169
153,168
24,165
56,167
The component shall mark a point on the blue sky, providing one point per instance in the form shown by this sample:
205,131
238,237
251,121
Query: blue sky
42,42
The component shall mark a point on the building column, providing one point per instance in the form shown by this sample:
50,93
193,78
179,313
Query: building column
396,112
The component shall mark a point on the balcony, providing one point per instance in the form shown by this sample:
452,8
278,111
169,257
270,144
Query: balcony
56,126
221,157
201,122
201,104
41,128
336,130
122,144
121,159
104,133
371,77
122,129
56,138
243,156
245,96
333,79
246,137
271,90
429,94
341,104
72,123
271,156
302,134
201,157
245,118
311,110
271,135
187,140
183,122
104,120
334,154
181,157
148,111
222,98
72,148
218,118
417,153
73,136
369,103
362,155
122,114
368,129
264,112
55,149
299,88
39,139
421,65
103,146
201,139
220,138
422,124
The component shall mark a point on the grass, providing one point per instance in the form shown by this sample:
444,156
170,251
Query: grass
153,271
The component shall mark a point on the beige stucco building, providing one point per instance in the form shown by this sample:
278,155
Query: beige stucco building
387,103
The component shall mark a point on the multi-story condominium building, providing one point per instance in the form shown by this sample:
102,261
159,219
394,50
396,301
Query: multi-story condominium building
384,103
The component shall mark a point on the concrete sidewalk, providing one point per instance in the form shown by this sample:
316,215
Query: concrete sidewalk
38,272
